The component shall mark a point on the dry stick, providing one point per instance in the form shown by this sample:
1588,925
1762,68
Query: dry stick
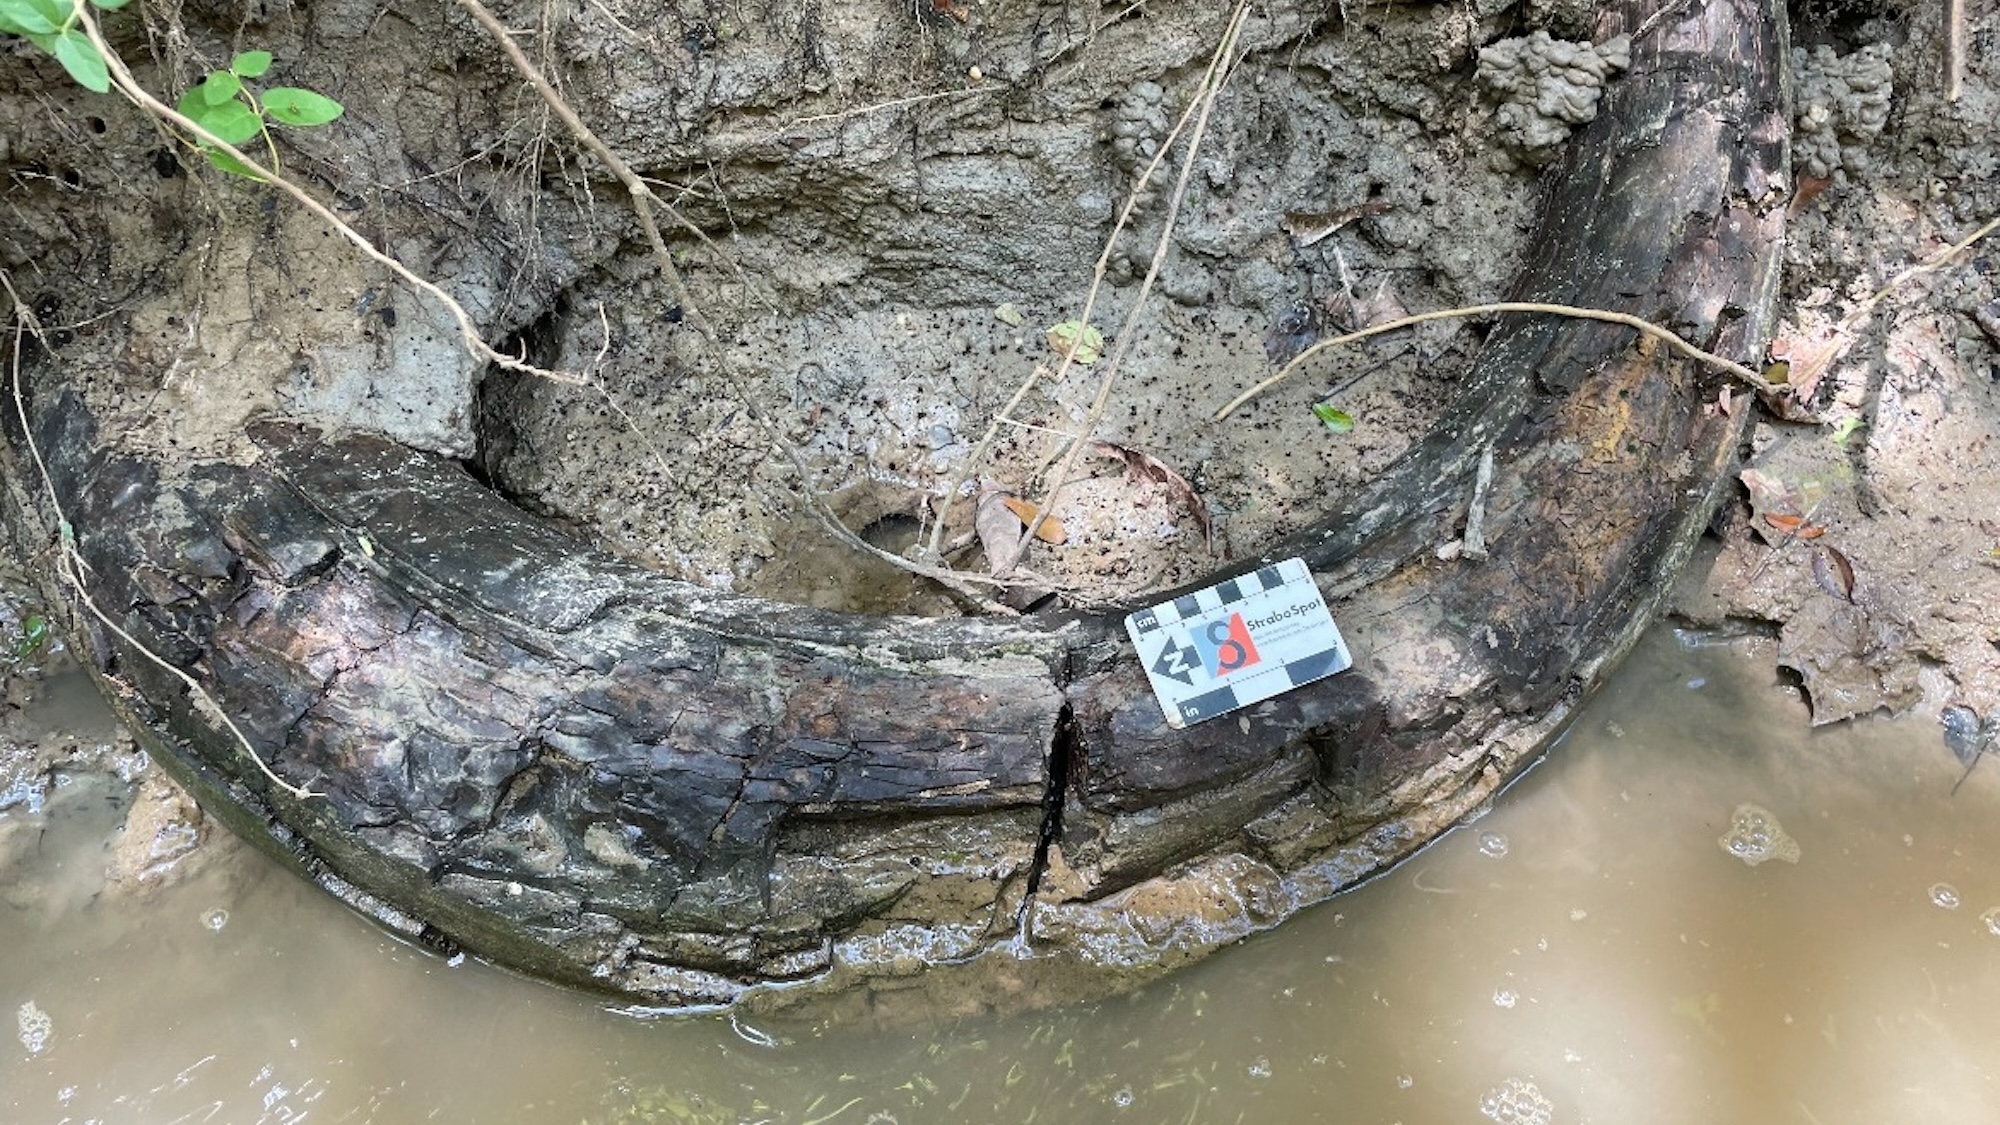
1931,264
1954,50
70,564
121,76
1646,326
643,198
1098,274
643,202
1212,82
1844,332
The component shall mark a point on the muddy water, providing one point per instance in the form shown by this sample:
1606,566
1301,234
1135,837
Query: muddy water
1591,950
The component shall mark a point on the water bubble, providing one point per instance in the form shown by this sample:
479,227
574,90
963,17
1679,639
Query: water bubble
1260,1067
1944,895
1404,1081
1755,835
1992,920
35,1027
215,919
1697,683
1517,1102
1122,1097
1505,998
1492,845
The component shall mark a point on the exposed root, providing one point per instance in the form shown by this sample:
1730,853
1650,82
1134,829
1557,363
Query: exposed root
1196,113
1647,327
125,84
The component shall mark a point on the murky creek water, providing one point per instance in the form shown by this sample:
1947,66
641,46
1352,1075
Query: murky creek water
1589,951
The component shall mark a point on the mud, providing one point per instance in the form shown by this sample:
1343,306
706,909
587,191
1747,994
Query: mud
1899,460
882,191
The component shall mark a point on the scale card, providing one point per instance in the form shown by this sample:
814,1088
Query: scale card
1237,642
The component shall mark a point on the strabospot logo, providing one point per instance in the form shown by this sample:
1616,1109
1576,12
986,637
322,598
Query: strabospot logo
1225,646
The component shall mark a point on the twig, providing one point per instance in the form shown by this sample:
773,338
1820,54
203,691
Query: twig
1213,80
1954,49
877,107
1931,264
70,564
1098,274
644,200
1645,326
121,77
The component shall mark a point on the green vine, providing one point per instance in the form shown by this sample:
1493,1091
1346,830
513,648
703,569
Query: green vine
52,25
225,105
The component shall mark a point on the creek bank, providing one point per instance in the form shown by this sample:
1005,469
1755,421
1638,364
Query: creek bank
536,749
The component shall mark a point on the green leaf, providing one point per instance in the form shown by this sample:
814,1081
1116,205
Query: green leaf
220,86
294,106
231,165
250,64
109,5
1077,340
23,17
56,12
34,634
78,55
1336,419
232,121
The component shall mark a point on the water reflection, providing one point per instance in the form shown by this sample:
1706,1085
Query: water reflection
1586,952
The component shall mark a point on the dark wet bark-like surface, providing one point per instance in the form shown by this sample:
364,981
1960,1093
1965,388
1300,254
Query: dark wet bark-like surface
527,748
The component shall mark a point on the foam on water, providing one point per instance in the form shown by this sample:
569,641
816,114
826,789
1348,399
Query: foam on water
1517,1101
35,1027
1755,835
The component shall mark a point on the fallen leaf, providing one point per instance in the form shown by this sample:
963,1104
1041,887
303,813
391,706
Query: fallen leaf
1381,308
999,532
1806,190
1768,492
1805,362
1834,573
1051,531
1793,526
1077,340
1151,468
1336,419
1291,334
1308,227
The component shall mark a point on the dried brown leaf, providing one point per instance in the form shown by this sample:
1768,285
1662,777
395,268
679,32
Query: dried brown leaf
1050,532
1806,190
999,533
1308,227
1381,308
1793,526
1149,467
1834,573
1806,361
